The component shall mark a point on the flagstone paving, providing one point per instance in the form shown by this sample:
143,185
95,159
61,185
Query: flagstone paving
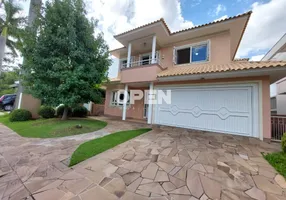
164,164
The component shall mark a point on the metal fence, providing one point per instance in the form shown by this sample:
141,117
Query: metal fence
278,127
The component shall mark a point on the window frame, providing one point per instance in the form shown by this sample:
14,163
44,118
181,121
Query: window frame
175,56
114,103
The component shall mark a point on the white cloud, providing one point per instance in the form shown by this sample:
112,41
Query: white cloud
257,57
220,8
221,18
118,16
217,10
266,26
196,3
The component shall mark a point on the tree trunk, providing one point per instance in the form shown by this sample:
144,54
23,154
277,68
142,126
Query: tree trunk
2,50
65,114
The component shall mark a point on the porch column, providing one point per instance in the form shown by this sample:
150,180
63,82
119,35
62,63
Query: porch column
150,97
129,55
125,102
153,49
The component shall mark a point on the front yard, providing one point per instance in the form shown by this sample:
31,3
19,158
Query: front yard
99,145
278,161
52,128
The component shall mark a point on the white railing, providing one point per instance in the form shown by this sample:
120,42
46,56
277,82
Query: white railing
140,63
278,127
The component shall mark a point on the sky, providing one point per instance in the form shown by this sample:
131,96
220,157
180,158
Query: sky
266,25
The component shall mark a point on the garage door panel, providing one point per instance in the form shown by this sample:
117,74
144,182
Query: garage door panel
223,109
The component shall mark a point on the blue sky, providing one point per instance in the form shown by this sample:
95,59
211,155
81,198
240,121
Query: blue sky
204,11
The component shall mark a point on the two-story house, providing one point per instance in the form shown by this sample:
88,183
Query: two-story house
210,90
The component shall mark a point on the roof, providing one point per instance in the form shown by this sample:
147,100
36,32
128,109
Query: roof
213,68
183,30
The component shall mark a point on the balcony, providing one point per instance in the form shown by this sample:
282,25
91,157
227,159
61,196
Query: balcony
142,69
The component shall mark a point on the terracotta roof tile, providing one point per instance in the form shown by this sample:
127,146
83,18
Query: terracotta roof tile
212,68
172,33
214,22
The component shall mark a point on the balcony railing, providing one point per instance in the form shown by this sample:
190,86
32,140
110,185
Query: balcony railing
278,127
138,63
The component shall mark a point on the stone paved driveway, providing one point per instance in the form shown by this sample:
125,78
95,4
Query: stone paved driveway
164,164
27,164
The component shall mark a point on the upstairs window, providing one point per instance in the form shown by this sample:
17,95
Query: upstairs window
200,53
191,54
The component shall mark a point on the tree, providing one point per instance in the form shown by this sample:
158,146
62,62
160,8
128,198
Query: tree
13,24
6,80
64,59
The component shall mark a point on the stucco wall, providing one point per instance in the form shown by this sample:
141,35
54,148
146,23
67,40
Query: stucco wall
219,53
133,111
30,103
281,104
219,49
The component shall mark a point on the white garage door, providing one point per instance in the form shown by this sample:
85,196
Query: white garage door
229,109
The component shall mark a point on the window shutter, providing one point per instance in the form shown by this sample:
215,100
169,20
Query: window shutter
175,55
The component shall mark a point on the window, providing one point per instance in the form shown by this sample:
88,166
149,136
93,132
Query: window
200,53
115,98
195,53
183,56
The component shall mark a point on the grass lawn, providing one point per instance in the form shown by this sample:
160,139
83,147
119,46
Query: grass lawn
52,128
278,161
99,145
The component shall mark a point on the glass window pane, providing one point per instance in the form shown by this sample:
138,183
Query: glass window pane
199,53
183,56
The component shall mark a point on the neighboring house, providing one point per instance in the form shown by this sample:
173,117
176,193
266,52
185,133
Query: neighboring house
211,91
278,101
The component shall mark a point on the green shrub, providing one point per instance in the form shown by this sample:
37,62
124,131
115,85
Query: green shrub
60,111
47,112
20,115
283,143
80,111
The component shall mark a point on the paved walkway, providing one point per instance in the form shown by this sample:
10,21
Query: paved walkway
27,164
164,164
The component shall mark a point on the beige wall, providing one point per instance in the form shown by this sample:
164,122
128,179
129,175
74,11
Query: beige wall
281,86
140,74
133,111
281,104
219,53
30,103
219,49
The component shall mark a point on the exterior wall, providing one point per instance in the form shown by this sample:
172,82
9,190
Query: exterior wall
30,103
281,86
265,93
135,111
140,74
281,104
219,53
219,49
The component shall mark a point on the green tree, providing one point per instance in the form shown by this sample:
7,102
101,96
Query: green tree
12,24
64,59
6,80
